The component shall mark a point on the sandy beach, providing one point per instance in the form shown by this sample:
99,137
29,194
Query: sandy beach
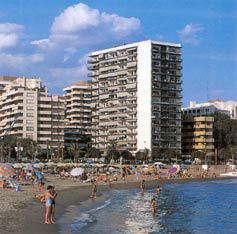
22,213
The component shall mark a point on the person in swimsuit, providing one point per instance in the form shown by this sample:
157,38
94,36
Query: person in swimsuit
158,190
94,189
153,205
48,198
142,187
54,194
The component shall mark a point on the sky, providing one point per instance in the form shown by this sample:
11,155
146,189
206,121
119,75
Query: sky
51,39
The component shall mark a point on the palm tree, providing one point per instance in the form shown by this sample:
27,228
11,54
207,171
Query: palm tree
142,154
146,154
112,152
75,151
92,152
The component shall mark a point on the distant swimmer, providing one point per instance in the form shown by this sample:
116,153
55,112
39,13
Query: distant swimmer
142,186
158,190
153,205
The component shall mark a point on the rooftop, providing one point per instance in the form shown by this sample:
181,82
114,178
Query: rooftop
133,45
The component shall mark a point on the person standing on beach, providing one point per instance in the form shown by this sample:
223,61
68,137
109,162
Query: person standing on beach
54,194
47,197
94,189
40,180
142,187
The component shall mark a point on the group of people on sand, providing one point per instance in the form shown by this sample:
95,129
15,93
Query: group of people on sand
48,198
153,203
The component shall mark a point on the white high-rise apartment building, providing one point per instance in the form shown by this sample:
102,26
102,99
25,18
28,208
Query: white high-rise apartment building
136,96
28,111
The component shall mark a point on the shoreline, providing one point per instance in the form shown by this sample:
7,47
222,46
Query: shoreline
30,216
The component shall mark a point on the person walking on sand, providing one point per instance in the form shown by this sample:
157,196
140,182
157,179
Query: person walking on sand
94,189
142,187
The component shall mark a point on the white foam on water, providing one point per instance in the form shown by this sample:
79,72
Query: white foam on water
227,181
81,222
87,218
108,202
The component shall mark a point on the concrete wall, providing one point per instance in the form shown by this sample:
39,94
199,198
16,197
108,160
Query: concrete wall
144,95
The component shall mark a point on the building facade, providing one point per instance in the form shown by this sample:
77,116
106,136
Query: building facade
28,111
197,135
136,96
210,107
78,114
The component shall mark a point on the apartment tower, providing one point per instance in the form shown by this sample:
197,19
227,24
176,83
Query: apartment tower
78,113
28,111
136,96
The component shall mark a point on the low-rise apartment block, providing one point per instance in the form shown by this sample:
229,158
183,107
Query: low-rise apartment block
210,107
197,134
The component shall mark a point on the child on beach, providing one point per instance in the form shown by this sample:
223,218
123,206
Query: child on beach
48,198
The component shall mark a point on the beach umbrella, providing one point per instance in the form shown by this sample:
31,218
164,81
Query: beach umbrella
172,170
28,167
18,165
6,171
61,164
38,165
50,164
77,171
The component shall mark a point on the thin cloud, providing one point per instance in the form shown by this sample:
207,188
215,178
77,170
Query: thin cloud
190,34
10,35
217,91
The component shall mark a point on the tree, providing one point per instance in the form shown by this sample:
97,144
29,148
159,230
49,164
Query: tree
225,135
127,155
112,152
9,143
198,154
142,154
92,152
76,152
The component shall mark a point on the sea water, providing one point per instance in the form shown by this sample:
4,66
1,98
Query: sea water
193,207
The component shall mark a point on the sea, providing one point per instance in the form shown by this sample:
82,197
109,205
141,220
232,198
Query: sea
192,207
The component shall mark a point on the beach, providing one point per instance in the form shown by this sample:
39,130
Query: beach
22,213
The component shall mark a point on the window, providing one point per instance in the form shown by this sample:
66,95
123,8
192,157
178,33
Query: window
28,128
29,121
30,108
29,136
30,100
30,114
30,94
